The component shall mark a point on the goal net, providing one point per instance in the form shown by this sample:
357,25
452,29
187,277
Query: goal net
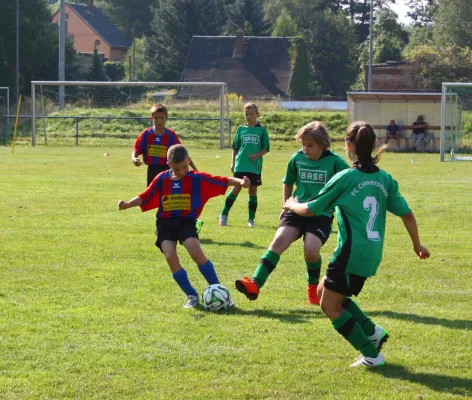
4,110
114,113
456,122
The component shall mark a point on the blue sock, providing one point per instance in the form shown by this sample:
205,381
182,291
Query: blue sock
209,272
182,280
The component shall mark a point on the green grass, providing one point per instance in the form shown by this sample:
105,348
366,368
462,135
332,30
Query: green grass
89,309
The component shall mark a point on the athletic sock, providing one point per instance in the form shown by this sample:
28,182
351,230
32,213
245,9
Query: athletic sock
182,280
313,272
209,273
230,199
252,207
353,333
359,316
266,265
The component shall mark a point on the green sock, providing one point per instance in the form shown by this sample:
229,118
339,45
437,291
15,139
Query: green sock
353,333
252,207
359,316
313,272
230,199
266,265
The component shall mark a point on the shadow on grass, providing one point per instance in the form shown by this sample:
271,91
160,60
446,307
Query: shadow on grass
421,319
436,382
239,244
300,316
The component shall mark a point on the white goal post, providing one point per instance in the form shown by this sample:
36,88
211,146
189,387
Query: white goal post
61,84
456,110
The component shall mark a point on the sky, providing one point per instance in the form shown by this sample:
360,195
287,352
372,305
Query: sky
401,9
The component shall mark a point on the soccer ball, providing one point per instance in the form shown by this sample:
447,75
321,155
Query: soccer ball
216,297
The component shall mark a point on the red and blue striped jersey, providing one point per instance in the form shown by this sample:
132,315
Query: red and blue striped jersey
183,198
154,147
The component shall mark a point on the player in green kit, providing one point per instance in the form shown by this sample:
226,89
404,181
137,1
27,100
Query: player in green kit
250,143
362,196
309,169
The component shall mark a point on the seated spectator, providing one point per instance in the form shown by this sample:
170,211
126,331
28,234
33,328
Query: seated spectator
393,132
419,133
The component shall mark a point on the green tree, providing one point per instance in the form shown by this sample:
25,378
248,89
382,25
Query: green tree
435,65
422,11
302,80
144,68
285,26
332,50
248,14
453,23
132,17
174,24
37,44
97,70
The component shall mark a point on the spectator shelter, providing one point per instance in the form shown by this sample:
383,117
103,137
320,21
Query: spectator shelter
378,108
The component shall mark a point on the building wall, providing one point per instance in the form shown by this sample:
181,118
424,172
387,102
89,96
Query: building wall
117,54
397,78
83,35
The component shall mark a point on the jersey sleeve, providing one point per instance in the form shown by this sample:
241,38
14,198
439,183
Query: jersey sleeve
265,142
291,174
174,138
212,186
152,194
237,140
396,204
329,194
138,144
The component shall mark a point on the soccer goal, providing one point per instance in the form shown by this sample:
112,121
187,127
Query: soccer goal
114,113
456,122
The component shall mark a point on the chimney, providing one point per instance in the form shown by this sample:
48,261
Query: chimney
90,5
239,44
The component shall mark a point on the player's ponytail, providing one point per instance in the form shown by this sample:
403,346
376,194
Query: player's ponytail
362,137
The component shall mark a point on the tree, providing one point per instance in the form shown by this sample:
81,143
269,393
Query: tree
435,65
97,70
248,13
132,17
284,26
453,23
301,71
332,51
422,11
144,68
174,24
38,42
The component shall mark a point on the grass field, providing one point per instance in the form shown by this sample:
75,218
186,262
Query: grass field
89,309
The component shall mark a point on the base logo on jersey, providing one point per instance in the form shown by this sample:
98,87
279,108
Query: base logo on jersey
253,139
156,151
173,202
312,176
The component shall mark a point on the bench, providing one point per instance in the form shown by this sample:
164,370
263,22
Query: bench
430,144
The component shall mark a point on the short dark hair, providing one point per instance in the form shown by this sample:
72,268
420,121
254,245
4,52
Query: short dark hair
177,153
159,108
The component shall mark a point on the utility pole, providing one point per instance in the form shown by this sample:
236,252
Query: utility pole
17,53
371,45
62,52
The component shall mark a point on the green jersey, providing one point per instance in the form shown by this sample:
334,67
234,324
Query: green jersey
250,140
310,176
362,201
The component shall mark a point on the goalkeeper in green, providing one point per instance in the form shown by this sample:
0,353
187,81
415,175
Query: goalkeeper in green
362,196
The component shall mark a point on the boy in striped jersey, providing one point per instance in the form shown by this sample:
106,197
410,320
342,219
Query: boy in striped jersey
180,195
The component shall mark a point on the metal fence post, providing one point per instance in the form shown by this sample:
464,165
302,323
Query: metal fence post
77,131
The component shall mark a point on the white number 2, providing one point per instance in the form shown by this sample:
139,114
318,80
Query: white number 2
371,204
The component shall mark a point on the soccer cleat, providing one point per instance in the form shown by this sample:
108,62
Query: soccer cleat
251,223
247,287
312,294
199,225
363,361
192,301
223,220
379,337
